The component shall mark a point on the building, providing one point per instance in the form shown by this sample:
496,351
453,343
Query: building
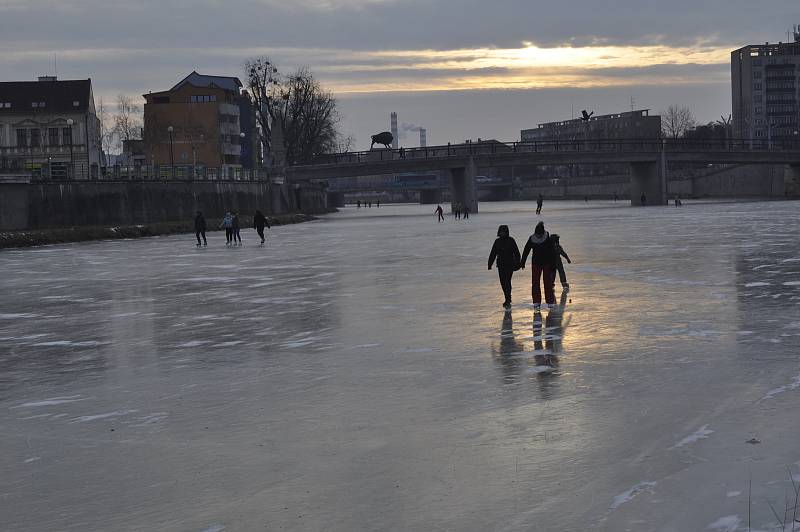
628,125
49,128
765,83
203,121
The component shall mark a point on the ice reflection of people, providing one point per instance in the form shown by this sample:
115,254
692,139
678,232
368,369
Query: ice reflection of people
510,353
548,340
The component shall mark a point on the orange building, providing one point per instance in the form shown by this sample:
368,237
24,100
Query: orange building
199,122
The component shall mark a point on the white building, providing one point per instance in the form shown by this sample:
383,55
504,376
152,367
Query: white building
49,128
765,82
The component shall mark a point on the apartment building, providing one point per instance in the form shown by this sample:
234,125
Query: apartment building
49,128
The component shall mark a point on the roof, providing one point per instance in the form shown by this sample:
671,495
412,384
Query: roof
227,83
59,96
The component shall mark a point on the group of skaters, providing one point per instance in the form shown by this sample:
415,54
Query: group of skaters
231,224
460,212
546,253
368,204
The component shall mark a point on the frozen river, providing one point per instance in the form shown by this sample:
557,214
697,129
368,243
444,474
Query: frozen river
358,373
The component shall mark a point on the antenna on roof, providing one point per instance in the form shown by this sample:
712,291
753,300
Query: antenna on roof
633,103
55,64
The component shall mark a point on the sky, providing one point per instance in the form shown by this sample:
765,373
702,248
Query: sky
463,69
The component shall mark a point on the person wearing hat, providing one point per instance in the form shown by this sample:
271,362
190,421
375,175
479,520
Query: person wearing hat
506,252
543,264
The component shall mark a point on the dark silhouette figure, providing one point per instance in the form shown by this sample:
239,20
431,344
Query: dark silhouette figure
402,153
539,201
506,252
457,211
508,355
227,224
643,199
562,275
378,204
543,264
200,228
615,197
369,204
678,202
358,204
236,228
384,138
466,212
439,213
259,222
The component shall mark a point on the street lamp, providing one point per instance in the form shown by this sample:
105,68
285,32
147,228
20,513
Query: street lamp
170,129
241,143
71,155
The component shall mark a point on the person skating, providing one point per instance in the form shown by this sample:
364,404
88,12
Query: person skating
236,228
358,204
259,222
562,275
439,213
227,224
506,252
543,261
643,199
200,228
466,212
539,201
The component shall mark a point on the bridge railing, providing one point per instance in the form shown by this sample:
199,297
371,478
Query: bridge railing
644,145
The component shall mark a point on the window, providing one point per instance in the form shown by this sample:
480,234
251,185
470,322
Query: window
757,86
757,62
22,137
759,133
757,98
36,138
757,74
759,110
66,134
5,105
34,104
76,103
52,136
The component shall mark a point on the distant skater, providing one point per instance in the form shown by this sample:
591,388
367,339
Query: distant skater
200,228
259,222
539,201
562,275
615,197
358,204
643,199
439,213
378,204
236,227
506,252
369,204
457,211
466,212
543,262
227,224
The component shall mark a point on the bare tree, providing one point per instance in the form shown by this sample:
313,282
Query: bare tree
294,112
105,131
676,121
127,120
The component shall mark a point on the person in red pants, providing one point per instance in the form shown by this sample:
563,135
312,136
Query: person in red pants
543,264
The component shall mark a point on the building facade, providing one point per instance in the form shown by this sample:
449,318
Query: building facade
203,121
765,83
628,125
49,129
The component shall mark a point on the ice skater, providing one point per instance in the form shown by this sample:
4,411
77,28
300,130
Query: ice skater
259,222
506,252
539,201
227,224
543,262
200,228
466,212
562,275
358,204
439,213
235,227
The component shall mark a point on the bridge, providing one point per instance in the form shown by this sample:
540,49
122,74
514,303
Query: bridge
646,158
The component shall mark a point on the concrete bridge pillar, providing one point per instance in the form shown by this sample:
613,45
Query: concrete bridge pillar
648,179
792,180
430,196
462,186
335,199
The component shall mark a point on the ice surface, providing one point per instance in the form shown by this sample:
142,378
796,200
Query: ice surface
359,373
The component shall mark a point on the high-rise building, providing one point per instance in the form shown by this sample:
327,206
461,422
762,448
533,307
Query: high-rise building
765,83
423,137
394,130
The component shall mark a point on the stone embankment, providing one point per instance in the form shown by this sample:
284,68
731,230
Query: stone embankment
40,237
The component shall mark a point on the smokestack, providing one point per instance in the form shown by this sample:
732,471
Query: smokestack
395,135
423,137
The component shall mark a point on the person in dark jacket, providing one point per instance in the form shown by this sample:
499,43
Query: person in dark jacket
236,228
227,224
543,264
562,275
506,252
200,228
259,222
539,201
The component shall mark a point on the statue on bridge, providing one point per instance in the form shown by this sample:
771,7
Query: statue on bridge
384,138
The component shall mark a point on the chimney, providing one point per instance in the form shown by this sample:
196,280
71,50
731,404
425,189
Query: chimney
423,137
47,78
394,130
